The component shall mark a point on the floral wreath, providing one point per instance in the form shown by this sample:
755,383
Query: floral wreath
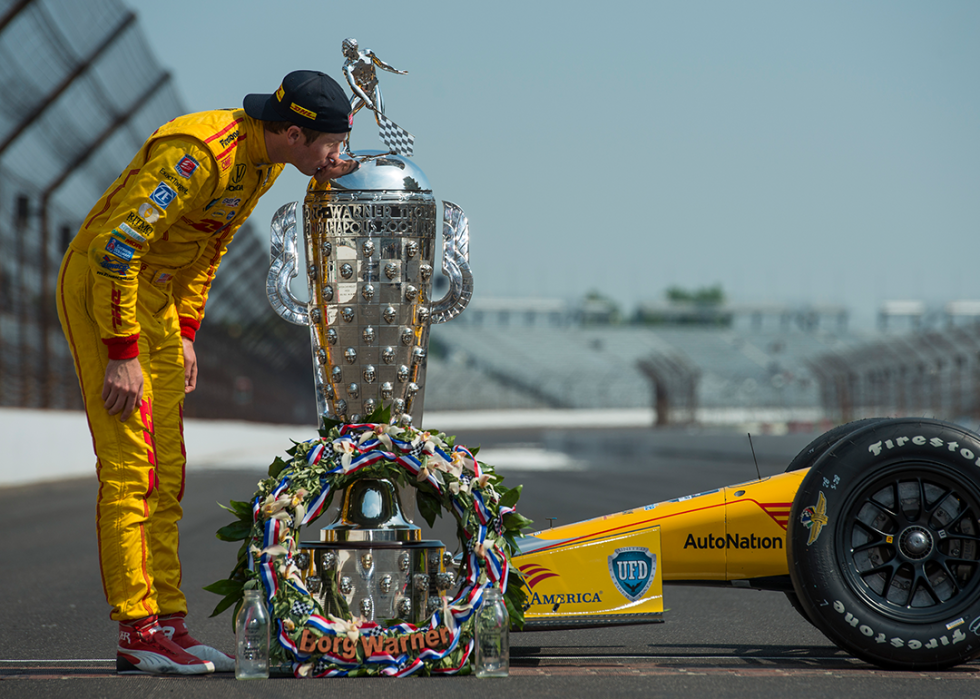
447,477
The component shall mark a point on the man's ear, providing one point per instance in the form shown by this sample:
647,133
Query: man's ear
293,135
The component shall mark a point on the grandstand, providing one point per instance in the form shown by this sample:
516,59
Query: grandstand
587,367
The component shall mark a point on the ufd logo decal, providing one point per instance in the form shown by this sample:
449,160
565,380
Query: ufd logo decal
632,569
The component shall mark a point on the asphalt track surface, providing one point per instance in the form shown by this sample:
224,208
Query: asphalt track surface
56,638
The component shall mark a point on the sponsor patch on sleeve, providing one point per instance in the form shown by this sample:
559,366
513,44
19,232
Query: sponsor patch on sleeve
115,266
148,213
123,238
186,166
129,232
119,249
163,195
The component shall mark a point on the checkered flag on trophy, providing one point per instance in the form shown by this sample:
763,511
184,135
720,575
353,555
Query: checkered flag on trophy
397,139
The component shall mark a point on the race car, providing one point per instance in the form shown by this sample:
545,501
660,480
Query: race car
873,533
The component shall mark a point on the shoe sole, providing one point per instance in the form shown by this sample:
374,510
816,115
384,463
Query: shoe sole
155,664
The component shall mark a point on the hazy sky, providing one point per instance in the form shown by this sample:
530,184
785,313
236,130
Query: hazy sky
789,151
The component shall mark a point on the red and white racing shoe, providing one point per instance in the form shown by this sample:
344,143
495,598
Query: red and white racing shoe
145,649
173,625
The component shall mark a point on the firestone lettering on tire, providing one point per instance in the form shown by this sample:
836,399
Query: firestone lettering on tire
913,643
880,447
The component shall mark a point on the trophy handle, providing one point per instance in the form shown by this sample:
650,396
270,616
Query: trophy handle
282,239
455,264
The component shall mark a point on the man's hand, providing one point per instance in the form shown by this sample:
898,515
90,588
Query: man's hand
122,390
336,168
190,366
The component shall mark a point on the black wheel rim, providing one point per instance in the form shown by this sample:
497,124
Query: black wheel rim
910,544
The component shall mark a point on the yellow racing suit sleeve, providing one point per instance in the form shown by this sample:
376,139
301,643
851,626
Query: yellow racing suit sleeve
178,176
193,284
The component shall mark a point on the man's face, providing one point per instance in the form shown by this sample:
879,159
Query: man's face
323,152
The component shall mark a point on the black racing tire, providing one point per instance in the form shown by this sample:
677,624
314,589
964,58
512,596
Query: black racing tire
806,458
815,449
884,544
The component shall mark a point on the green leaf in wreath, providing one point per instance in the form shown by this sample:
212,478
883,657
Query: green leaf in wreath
226,602
510,498
516,521
515,611
429,506
225,587
242,510
381,414
236,531
328,425
276,467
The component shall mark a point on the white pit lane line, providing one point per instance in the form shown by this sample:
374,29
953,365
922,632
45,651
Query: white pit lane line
528,458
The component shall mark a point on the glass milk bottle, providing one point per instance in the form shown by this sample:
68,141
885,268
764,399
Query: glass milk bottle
492,636
252,636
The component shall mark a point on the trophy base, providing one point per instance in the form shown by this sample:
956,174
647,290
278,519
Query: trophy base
377,579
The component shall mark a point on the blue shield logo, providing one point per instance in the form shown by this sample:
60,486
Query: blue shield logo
632,569
163,195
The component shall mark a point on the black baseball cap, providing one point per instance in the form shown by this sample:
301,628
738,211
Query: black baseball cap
306,98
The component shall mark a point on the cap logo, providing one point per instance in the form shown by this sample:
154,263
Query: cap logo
280,93
302,111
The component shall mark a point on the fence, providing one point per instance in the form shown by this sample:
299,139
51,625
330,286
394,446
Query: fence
935,374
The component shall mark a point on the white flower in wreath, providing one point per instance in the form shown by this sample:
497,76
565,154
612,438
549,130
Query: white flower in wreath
429,442
271,506
424,472
345,627
275,551
346,448
482,548
453,467
384,434
463,462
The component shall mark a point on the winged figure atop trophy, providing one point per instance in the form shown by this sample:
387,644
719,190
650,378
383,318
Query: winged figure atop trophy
359,68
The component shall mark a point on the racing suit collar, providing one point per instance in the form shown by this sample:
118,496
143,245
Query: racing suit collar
255,143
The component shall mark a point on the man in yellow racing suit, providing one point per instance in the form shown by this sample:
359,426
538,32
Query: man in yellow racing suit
131,295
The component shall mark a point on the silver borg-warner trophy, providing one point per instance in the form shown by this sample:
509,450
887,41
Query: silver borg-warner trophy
370,243
370,251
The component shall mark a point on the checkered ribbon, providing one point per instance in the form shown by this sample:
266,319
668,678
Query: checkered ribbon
395,137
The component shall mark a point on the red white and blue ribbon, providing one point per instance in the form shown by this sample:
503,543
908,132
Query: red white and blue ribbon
316,507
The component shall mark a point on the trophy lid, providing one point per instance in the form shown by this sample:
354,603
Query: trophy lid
383,171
